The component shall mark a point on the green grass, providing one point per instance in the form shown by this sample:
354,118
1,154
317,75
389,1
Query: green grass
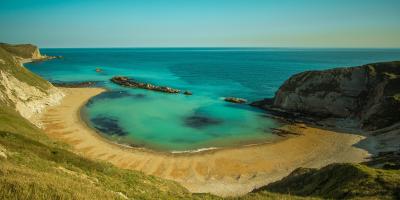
20,50
11,66
341,181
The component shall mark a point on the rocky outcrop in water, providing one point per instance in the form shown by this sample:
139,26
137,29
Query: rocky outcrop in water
127,82
369,93
187,93
235,100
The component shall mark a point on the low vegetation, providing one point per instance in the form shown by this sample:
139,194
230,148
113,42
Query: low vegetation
20,50
340,181
11,66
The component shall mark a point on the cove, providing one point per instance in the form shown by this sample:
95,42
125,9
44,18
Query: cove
176,122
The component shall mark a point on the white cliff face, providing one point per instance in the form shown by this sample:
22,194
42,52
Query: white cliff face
369,93
27,100
333,92
19,88
36,54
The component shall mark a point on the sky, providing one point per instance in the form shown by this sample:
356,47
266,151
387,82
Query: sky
202,23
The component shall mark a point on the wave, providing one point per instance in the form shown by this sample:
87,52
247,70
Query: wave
196,150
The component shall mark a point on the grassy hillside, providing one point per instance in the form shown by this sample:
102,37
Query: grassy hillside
20,50
11,66
340,181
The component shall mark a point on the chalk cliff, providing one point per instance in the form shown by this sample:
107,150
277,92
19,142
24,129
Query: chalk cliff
369,93
28,93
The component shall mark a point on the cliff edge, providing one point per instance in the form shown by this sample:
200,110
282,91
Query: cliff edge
19,87
369,94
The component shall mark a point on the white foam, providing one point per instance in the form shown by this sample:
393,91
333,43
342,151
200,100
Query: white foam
196,150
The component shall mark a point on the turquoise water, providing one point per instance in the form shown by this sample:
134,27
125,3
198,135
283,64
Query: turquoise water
175,122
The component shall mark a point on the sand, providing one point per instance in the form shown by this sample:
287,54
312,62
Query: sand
224,172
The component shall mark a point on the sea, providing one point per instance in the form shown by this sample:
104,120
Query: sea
190,123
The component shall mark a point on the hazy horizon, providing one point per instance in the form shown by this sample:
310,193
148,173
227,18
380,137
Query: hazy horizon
186,24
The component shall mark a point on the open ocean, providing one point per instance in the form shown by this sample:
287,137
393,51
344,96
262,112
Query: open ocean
175,122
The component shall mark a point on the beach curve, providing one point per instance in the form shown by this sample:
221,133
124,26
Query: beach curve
225,172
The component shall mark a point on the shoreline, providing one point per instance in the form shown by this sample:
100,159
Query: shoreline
102,136
225,172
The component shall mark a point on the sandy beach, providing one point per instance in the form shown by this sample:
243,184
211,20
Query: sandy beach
225,172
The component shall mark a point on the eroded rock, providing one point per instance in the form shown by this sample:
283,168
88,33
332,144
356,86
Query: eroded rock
187,93
368,93
127,82
235,100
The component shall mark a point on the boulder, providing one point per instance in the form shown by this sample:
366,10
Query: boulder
235,100
187,93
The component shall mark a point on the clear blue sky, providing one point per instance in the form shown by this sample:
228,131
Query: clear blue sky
180,23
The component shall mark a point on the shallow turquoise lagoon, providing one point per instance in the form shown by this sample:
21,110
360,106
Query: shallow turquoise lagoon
175,122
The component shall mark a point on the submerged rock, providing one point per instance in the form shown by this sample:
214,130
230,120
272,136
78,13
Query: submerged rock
235,100
109,126
82,84
127,82
197,121
187,93
369,93
99,70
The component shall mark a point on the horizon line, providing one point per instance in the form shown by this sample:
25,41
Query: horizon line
213,47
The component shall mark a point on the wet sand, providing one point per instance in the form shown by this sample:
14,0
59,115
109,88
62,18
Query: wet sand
225,172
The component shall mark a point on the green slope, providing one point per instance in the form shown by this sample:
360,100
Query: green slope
20,50
340,181
10,65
